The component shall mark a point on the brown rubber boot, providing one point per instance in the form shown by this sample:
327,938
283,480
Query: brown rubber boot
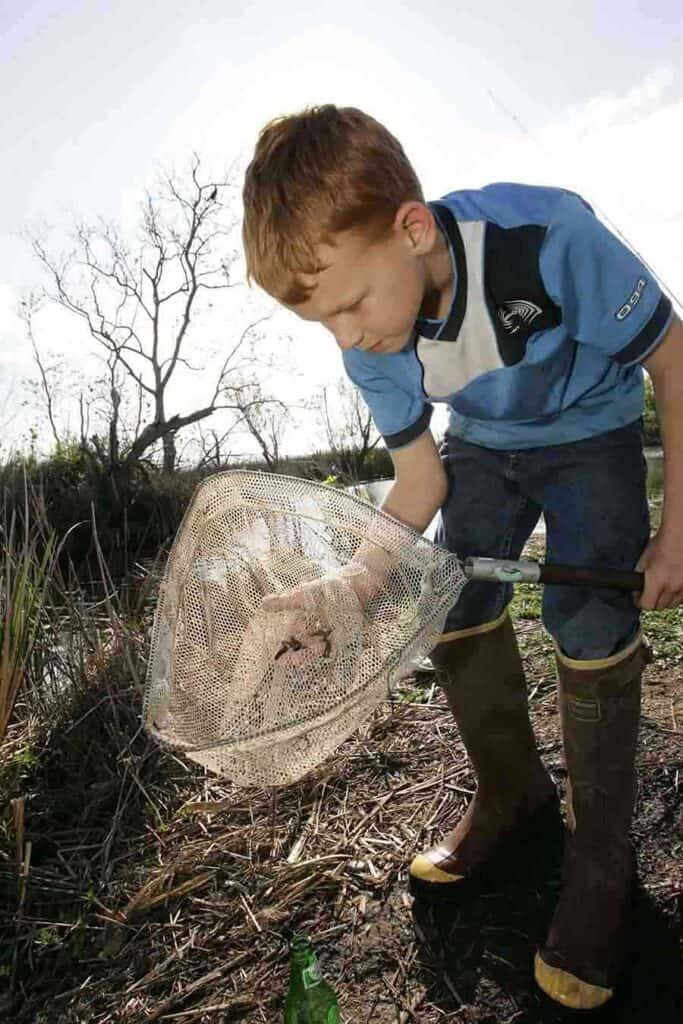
589,936
483,679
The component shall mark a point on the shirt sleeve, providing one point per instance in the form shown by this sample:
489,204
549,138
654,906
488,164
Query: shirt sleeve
391,388
608,298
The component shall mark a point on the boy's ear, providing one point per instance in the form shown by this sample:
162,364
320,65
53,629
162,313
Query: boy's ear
415,224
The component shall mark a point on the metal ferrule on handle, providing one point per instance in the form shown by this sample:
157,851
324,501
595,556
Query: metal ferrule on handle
495,570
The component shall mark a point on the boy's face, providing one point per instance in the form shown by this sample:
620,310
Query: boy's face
370,293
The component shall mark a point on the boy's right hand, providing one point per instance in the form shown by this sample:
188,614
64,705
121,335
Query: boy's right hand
311,621
320,615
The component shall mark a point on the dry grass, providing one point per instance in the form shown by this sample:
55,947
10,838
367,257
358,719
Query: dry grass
137,888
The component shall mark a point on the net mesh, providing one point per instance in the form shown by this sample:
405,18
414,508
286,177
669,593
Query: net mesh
264,696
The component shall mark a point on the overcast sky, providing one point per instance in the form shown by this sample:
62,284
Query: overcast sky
97,95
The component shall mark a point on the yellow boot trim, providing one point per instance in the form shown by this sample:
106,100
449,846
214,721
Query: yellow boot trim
485,627
589,666
422,868
567,989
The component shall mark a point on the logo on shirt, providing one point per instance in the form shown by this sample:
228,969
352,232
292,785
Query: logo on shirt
631,304
515,313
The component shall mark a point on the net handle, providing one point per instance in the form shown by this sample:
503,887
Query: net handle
494,570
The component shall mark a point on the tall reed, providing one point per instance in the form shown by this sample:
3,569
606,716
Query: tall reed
30,578
25,573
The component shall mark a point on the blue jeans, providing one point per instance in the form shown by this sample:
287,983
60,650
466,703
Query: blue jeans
593,495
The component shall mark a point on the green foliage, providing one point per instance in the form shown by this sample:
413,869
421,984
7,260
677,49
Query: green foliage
47,937
412,695
70,453
25,573
650,419
26,757
662,631
526,601
137,511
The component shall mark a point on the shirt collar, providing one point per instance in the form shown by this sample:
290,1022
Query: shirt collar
448,328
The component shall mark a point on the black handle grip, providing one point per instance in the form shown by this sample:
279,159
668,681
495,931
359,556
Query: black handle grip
571,575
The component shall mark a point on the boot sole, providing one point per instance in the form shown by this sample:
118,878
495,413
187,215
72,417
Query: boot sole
546,820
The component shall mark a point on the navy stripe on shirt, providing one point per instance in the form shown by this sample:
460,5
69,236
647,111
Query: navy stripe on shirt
412,432
644,341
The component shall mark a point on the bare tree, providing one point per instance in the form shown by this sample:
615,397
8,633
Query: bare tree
211,444
265,420
46,388
143,305
6,388
101,400
350,434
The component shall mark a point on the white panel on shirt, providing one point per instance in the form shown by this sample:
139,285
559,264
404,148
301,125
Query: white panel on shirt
449,366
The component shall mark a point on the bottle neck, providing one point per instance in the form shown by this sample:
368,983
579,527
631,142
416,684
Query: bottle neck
301,950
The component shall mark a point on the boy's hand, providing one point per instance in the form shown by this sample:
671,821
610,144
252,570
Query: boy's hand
305,623
317,614
662,563
311,595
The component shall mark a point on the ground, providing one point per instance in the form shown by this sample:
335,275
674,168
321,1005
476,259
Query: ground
156,892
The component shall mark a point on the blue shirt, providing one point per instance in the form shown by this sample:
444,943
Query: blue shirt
550,319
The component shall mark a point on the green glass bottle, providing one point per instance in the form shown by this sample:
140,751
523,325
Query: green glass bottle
310,1000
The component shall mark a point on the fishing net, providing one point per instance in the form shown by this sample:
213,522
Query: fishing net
258,686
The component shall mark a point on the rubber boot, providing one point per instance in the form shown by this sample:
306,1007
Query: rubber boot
589,936
481,673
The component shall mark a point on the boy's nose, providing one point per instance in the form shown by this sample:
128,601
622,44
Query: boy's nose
346,333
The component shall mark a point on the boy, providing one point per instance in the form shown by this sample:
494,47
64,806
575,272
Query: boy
516,307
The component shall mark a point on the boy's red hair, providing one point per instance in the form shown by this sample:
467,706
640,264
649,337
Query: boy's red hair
313,174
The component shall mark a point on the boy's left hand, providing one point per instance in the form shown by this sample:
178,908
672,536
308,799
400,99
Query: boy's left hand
662,563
